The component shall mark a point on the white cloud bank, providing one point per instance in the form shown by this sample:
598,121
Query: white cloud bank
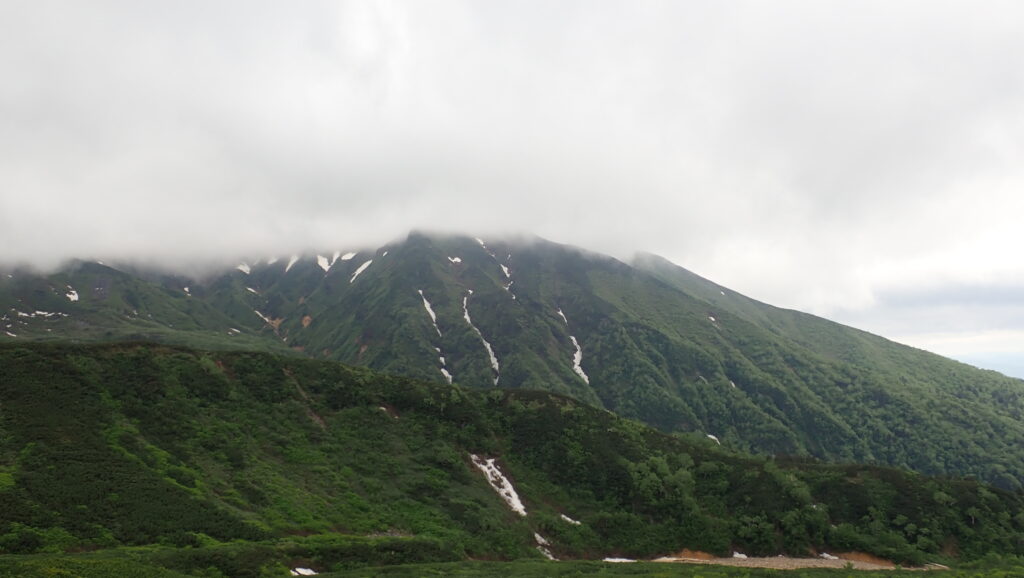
814,154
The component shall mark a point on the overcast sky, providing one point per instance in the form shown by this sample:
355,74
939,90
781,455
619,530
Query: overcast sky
859,160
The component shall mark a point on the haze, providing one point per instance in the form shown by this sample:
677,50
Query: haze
858,160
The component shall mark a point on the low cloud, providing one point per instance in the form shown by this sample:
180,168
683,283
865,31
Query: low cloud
811,154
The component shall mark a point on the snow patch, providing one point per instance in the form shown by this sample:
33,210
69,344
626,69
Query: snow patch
446,375
499,483
711,437
251,290
828,556
739,556
732,383
324,263
577,358
570,520
542,545
712,319
619,560
504,270
9,334
263,317
722,292
384,254
487,346
347,256
484,247
244,268
187,291
430,311
360,270
303,572
233,331
562,315
455,259
292,261
72,295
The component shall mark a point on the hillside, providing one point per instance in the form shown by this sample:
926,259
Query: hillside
111,445
647,340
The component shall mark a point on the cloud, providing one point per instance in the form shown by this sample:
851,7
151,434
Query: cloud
817,155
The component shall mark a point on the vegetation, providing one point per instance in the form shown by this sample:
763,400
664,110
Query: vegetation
144,445
659,344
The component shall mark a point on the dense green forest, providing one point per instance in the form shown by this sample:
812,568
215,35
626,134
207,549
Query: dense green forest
128,445
647,340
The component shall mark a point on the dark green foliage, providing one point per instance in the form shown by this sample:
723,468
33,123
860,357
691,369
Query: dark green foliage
136,444
660,345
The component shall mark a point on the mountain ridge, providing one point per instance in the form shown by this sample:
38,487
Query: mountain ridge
648,340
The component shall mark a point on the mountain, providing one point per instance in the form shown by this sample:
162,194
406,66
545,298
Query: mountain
133,444
647,340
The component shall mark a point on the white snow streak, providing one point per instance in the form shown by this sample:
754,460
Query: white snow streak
487,346
827,556
323,262
562,315
712,319
500,483
455,259
542,545
347,256
570,520
360,270
445,373
504,270
486,250
303,572
739,556
577,358
187,292
711,437
10,334
251,290
244,268
430,311
619,560
292,261
72,295
262,316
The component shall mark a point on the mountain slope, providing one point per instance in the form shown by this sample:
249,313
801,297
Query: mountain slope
649,341
136,444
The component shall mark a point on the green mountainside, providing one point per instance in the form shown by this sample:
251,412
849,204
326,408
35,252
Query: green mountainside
130,444
648,340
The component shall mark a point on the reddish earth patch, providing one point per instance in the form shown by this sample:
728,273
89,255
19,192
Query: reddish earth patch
306,321
858,560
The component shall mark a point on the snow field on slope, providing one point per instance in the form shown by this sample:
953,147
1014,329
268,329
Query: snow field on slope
487,345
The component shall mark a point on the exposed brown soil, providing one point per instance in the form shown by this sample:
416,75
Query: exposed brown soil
858,560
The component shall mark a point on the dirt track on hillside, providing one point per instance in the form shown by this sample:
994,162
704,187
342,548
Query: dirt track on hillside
858,560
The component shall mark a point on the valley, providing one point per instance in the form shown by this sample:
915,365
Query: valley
444,399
